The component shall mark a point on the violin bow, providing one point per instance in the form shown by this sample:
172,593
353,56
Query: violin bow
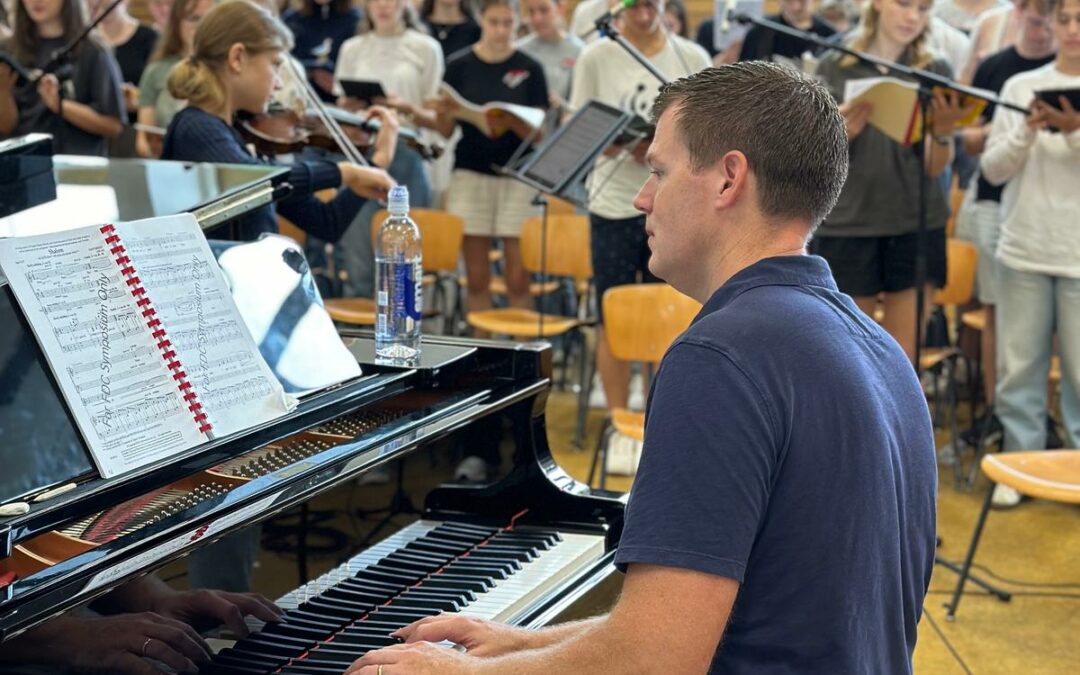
343,141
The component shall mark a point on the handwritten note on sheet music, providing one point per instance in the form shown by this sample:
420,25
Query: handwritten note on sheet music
108,364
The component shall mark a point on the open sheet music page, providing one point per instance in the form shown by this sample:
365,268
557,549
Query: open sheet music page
119,382
179,272
477,115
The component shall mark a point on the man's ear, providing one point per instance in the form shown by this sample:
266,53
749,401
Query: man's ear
732,173
236,57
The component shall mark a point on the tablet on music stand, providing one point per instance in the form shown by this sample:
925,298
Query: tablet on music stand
363,90
563,160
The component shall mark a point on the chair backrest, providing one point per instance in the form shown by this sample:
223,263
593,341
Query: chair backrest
960,282
568,253
641,321
441,235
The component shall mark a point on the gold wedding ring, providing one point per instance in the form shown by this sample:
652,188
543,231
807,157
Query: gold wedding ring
145,645
379,671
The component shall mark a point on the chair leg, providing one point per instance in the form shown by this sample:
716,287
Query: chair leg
965,569
584,390
601,449
953,404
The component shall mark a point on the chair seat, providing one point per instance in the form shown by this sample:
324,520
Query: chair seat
519,323
935,356
975,319
497,286
355,311
1050,474
629,423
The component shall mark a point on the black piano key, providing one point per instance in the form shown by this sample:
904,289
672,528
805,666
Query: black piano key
376,586
481,570
352,593
420,557
478,530
550,538
431,605
246,660
278,646
376,623
521,554
462,596
413,565
293,630
463,541
447,579
492,558
302,668
313,620
361,645
433,547
405,615
388,574
333,609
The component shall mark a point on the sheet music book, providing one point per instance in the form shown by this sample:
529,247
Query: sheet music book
143,337
896,106
480,116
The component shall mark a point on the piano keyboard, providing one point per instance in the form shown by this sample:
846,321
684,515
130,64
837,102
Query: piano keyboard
425,569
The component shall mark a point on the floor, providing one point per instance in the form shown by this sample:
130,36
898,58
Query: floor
1036,546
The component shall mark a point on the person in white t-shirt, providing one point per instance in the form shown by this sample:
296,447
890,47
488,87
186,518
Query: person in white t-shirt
393,49
1038,159
583,22
607,73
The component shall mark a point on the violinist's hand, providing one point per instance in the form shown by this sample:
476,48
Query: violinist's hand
386,141
49,90
443,105
855,117
8,78
399,105
366,181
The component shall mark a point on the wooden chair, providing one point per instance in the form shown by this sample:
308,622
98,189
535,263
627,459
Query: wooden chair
1053,475
441,236
640,323
958,290
567,255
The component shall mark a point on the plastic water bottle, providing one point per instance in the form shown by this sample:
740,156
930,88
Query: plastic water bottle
398,284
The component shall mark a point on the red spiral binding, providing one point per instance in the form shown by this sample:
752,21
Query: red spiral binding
112,237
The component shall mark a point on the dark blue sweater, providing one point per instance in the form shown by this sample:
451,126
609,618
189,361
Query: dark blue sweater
198,136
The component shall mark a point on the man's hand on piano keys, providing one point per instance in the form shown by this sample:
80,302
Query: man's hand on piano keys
477,636
420,658
218,607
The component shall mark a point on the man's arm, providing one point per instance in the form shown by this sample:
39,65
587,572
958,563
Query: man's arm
668,620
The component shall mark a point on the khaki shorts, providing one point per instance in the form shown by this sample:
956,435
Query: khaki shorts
492,206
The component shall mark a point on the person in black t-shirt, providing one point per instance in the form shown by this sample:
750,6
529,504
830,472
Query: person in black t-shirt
451,22
84,111
979,219
761,44
492,205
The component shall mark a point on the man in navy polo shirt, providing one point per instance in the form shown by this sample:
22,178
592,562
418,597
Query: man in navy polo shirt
782,518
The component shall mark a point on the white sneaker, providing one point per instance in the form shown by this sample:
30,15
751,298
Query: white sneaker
596,394
637,392
1004,497
472,469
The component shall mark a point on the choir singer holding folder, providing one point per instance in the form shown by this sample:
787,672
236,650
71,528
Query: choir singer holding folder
870,238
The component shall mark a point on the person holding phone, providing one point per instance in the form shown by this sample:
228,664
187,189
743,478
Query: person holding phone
1037,158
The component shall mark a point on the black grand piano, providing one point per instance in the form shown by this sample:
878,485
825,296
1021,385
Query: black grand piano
524,549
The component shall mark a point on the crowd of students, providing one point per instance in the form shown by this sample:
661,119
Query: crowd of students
1015,170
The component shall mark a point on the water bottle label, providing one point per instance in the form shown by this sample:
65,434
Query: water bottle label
407,279
382,299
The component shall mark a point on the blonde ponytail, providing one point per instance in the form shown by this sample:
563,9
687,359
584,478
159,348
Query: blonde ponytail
197,78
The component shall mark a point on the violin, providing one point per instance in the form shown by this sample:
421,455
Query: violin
281,132
347,120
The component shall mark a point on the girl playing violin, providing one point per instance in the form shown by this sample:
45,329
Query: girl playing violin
233,67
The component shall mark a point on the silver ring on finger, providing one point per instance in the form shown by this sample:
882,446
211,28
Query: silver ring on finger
145,645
